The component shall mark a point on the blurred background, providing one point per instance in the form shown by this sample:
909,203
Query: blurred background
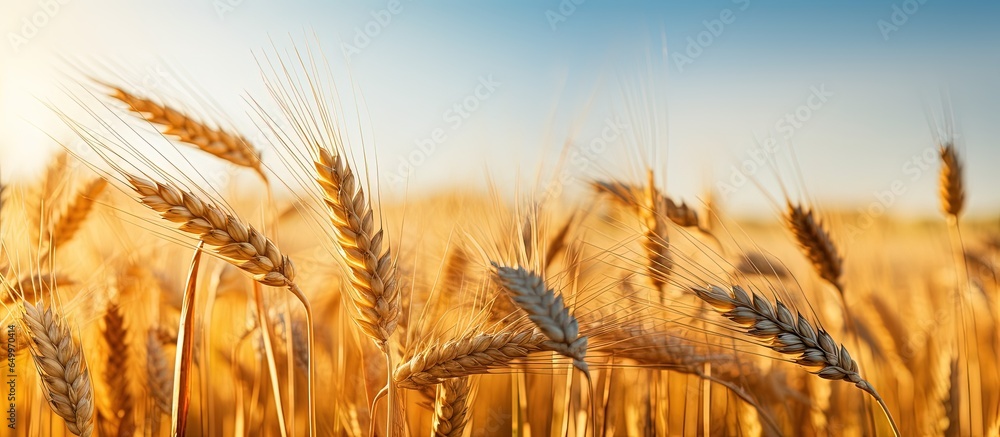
843,95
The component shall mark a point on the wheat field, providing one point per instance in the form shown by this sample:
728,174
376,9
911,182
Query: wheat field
143,298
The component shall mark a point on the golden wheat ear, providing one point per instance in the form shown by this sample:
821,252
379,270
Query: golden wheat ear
72,215
952,188
221,143
372,272
814,240
61,364
451,407
118,408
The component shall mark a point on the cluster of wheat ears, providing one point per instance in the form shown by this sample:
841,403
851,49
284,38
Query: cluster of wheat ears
635,315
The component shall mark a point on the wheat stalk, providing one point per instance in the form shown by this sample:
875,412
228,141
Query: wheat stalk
815,241
451,407
221,143
546,309
372,272
952,191
63,369
790,335
467,356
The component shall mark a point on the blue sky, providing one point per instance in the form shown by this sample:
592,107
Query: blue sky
563,78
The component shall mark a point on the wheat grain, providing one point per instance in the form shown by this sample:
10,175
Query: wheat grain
63,369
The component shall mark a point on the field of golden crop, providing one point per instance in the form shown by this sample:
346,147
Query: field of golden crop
144,297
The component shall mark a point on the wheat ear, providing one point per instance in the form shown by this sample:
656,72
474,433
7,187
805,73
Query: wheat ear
244,246
952,191
227,145
815,242
62,367
451,408
467,356
371,269
43,194
790,335
631,197
159,375
237,242
372,272
114,335
546,309
72,216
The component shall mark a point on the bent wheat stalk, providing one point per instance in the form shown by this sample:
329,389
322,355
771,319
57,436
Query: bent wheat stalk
790,335
61,365
183,361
